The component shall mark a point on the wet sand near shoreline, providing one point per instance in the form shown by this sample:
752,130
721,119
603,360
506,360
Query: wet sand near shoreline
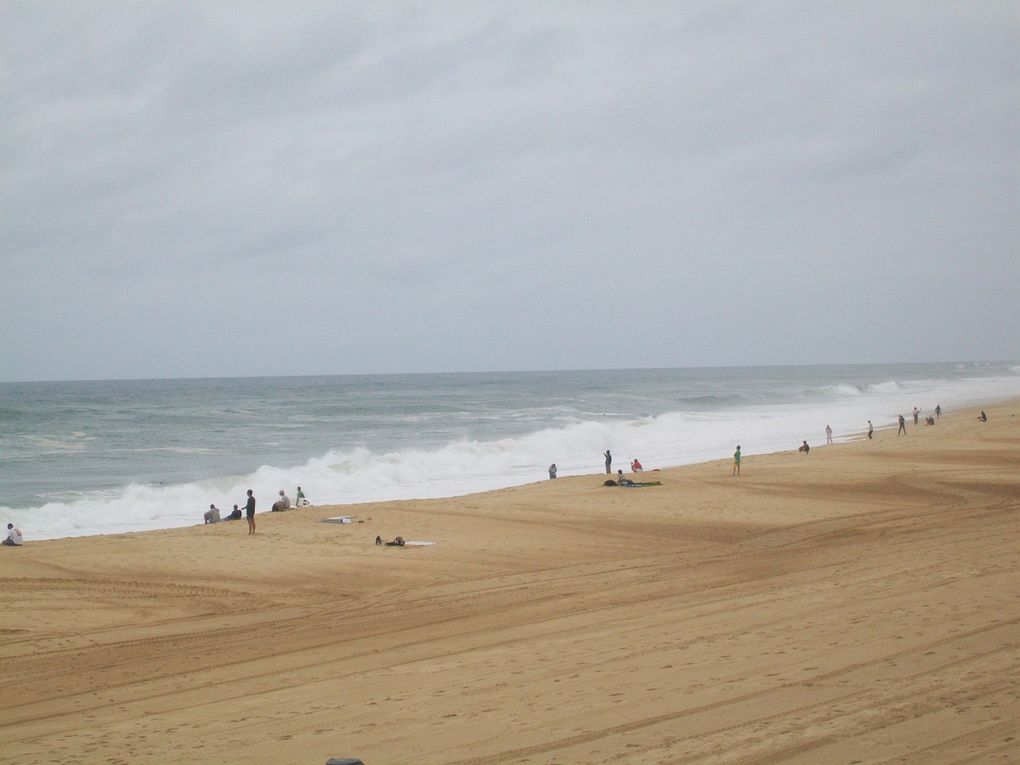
855,605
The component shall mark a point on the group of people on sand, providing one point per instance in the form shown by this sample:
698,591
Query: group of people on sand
635,465
212,515
805,447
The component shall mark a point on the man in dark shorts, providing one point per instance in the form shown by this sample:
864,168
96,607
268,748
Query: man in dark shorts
903,426
609,462
249,510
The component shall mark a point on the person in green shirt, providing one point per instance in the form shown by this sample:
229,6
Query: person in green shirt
736,461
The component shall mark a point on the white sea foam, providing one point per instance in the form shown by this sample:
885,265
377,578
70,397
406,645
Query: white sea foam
466,466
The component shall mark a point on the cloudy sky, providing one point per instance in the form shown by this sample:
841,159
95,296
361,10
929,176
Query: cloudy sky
207,189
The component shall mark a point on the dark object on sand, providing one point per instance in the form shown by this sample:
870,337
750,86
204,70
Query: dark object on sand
343,761
609,482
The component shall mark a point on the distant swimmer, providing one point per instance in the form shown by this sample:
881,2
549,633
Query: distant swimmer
871,429
14,538
828,434
249,511
212,515
552,471
609,462
804,448
903,426
736,461
281,504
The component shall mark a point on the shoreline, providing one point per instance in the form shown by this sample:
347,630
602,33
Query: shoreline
855,603
845,438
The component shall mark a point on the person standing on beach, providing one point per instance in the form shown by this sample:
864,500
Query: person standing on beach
552,471
871,430
828,434
938,411
249,511
609,463
903,426
736,461
916,412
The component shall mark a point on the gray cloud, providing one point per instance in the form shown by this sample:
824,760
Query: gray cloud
233,189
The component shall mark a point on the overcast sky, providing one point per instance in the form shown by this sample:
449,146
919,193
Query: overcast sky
207,189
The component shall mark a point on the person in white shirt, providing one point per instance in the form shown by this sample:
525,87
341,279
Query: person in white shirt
14,538
212,515
282,504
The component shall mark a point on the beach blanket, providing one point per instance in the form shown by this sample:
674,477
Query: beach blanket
338,519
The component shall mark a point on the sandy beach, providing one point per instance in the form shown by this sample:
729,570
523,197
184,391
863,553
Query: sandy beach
859,604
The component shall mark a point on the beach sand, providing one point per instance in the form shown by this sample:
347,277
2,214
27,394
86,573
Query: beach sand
856,605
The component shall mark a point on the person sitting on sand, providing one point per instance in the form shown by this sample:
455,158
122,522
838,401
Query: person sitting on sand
397,542
235,514
804,448
212,515
281,504
621,481
983,417
635,466
14,538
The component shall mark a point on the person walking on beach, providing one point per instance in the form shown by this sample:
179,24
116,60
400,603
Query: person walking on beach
938,411
249,511
736,461
828,434
609,463
871,430
903,426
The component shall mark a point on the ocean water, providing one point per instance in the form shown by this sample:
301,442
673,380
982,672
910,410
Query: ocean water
98,457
